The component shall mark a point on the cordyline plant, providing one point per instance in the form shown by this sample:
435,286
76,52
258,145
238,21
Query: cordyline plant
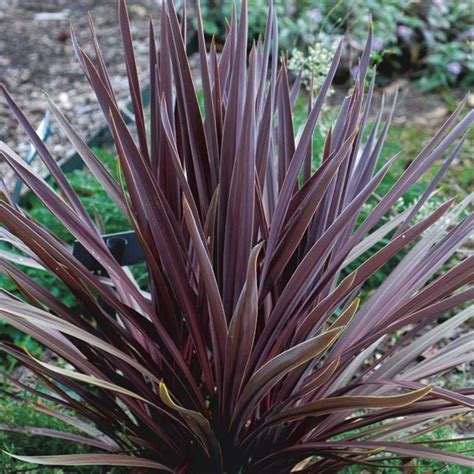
249,351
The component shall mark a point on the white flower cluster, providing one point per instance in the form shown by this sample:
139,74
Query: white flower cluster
313,64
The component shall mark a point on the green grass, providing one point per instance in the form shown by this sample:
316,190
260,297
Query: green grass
22,415
422,465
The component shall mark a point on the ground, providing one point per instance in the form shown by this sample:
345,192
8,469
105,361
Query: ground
36,55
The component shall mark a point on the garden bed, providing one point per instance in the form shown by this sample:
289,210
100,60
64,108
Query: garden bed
36,54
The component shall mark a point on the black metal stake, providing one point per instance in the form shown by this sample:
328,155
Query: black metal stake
124,247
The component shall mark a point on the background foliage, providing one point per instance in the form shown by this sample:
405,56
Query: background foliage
430,40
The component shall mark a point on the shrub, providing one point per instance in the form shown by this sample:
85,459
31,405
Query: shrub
248,352
431,40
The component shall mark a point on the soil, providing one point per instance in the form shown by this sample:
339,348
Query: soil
36,54
414,107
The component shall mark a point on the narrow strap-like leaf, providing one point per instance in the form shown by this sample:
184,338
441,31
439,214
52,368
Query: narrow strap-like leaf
92,460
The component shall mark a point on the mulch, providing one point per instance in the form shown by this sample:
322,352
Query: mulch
36,55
